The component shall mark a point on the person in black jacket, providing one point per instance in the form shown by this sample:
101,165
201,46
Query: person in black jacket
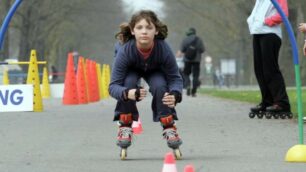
192,64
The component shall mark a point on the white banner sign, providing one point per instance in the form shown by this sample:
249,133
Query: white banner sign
16,98
228,66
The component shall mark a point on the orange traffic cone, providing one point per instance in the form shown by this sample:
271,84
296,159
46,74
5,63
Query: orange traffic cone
70,89
169,163
189,168
94,75
81,82
88,75
137,127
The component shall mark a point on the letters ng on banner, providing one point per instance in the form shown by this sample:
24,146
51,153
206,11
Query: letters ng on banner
16,98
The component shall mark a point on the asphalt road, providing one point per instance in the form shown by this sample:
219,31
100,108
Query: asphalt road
218,136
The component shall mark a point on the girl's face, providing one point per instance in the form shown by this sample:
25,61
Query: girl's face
144,33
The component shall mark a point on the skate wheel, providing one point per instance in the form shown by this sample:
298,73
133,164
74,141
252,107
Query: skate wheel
251,115
268,115
177,154
276,116
123,154
260,115
290,115
283,116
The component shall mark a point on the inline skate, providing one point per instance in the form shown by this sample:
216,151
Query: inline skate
171,135
258,110
125,133
277,111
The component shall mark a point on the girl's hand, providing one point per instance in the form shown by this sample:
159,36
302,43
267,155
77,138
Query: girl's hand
169,100
132,94
302,27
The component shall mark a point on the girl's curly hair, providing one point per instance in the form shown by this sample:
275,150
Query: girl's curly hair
125,33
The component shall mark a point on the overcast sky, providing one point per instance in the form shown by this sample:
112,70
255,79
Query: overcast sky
132,6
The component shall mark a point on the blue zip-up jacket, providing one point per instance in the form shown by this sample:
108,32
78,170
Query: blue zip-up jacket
128,58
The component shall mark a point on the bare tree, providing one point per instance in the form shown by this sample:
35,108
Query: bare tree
4,52
39,19
54,27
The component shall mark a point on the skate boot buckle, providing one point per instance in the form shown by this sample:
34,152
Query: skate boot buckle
124,137
173,140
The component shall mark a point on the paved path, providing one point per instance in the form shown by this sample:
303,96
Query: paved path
218,137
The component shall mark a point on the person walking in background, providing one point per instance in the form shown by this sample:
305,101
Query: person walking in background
302,28
192,48
180,63
219,77
265,26
146,55
54,74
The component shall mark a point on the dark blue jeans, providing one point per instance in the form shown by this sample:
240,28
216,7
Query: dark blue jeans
158,87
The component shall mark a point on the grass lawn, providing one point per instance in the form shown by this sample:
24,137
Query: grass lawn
254,96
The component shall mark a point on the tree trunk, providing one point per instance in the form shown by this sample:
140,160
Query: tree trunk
24,48
286,55
4,53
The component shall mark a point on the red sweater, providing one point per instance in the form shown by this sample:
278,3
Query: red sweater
277,19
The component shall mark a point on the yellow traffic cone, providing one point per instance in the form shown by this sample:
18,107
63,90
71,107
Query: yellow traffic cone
99,80
45,91
104,82
107,79
33,79
6,80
